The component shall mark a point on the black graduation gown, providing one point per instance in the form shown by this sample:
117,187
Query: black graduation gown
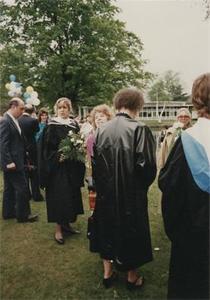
185,209
123,168
63,180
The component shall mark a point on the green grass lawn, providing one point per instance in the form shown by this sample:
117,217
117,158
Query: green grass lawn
34,267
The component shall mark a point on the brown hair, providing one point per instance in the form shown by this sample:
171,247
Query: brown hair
129,98
67,101
201,94
102,108
29,108
42,111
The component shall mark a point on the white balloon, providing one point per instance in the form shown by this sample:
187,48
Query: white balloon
29,101
33,97
11,94
18,90
36,102
34,94
12,85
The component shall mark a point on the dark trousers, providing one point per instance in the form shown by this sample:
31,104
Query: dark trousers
15,196
33,185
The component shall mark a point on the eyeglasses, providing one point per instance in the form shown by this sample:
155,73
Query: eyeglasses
183,117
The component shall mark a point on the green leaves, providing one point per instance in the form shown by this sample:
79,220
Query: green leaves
167,88
75,48
72,147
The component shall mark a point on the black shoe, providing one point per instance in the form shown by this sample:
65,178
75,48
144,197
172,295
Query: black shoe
59,241
108,282
68,229
134,285
9,217
31,219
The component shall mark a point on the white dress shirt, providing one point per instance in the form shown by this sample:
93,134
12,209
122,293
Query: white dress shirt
15,121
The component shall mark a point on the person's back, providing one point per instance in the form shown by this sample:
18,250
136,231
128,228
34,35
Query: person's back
30,126
124,167
185,184
117,147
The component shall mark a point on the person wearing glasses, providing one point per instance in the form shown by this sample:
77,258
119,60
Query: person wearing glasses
183,122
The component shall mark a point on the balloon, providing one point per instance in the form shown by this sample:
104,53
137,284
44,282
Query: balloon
12,85
34,95
18,90
7,86
35,102
11,94
12,77
17,84
26,95
29,101
29,89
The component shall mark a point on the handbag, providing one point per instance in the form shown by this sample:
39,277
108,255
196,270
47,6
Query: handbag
92,234
91,192
92,199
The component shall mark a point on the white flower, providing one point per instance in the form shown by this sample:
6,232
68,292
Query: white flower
178,125
70,132
72,140
79,142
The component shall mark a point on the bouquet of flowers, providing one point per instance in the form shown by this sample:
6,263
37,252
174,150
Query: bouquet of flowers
178,125
72,147
178,128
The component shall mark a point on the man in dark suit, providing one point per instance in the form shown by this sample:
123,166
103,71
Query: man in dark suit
15,195
29,127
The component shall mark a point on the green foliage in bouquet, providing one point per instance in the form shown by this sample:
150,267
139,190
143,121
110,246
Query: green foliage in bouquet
72,147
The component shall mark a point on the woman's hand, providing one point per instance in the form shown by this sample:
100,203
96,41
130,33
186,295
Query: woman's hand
11,166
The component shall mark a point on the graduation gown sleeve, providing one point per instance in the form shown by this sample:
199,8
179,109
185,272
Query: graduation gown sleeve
145,156
171,181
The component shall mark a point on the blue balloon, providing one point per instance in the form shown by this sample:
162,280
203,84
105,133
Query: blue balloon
12,77
26,95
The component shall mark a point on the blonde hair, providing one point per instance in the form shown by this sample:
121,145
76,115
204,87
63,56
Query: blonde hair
201,94
102,108
65,100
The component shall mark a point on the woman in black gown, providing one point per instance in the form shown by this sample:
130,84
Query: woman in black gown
185,183
123,168
63,178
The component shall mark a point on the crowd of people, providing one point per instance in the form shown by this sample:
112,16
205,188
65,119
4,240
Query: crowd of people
122,163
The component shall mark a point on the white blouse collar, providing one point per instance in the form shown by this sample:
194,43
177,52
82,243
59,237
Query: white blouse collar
60,120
